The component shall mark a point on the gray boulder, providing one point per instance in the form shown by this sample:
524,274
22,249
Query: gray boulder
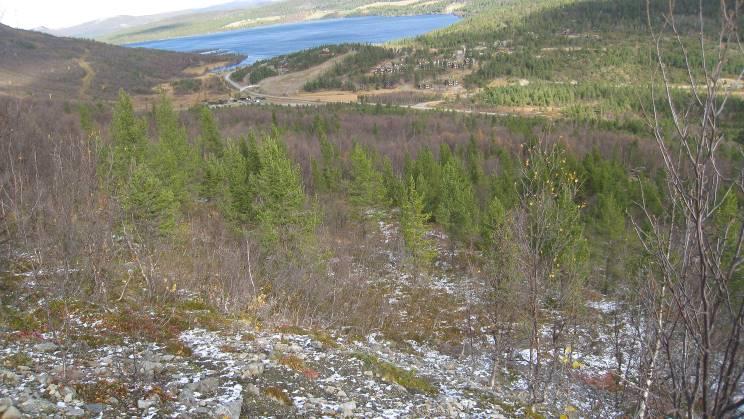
229,409
253,369
347,409
11,413
207,385
37,407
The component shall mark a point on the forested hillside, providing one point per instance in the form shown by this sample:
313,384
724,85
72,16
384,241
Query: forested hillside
586,60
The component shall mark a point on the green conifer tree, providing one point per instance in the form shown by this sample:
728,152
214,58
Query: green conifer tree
610,226
457,210
238,198
148,204
394,188
210,140
173,159
367,188
428,176
129,140
279,201
328,172
213,178
413,221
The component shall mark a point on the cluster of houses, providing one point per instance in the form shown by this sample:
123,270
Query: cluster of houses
241,101
430,85
393,68
442,63
571,34
459,61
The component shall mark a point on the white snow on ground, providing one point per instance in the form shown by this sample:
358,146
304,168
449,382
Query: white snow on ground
604,306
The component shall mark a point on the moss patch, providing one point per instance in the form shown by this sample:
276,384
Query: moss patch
194,305
325,338
17,360
392,373
292,330
16,320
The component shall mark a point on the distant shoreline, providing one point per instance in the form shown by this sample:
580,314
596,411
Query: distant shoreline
265,41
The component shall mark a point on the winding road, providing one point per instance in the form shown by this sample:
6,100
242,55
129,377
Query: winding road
295,101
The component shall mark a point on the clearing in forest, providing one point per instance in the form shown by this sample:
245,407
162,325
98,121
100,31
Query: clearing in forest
292,83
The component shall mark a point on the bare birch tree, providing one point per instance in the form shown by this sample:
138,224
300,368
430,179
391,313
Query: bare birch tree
694,361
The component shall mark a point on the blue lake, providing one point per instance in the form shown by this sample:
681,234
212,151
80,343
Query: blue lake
269,41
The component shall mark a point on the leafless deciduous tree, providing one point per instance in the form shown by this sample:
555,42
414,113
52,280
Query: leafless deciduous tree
694,361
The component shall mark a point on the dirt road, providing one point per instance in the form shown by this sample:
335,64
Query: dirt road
89,74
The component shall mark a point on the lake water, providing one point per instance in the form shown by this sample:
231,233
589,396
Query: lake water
269,41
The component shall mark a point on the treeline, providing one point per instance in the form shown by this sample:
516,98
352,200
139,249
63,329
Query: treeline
454,187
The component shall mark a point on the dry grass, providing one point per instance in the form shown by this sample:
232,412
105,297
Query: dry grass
101,391
292,362
278,395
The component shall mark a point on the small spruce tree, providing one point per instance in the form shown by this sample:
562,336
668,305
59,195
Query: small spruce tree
413,221
148,204
210,140
279,202
367,188
457,210
128,140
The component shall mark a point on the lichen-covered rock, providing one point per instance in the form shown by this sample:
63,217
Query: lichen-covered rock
207,385
37,407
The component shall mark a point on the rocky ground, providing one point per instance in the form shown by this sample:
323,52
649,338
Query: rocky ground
191,362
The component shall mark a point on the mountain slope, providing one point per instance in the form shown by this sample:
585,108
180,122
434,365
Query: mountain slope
100,28
36,64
